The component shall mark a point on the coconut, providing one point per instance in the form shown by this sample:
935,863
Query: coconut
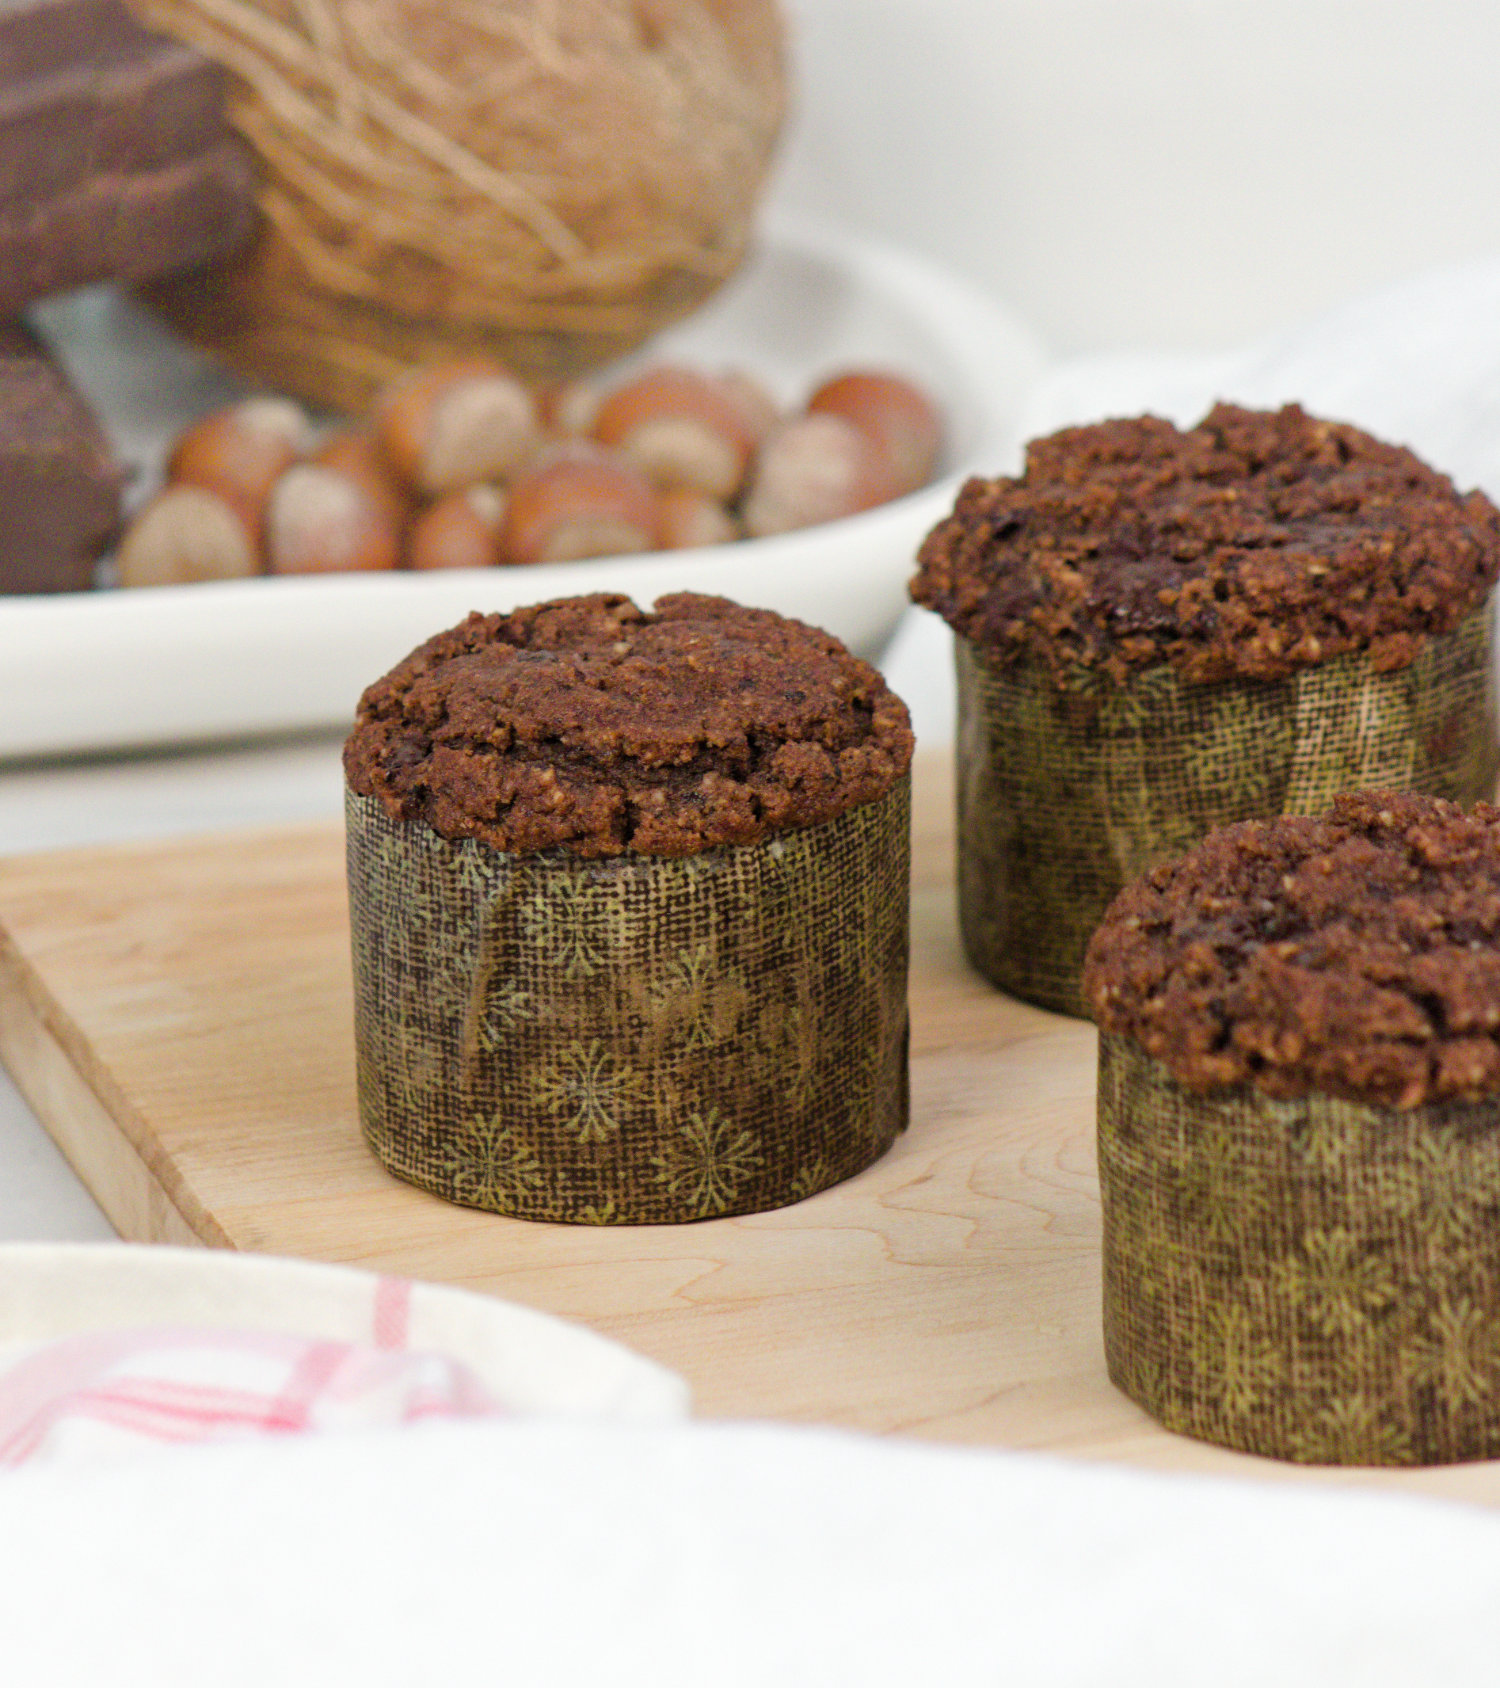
547,184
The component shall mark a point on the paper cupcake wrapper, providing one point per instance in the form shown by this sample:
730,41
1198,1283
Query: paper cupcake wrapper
1311,1280
1065,797
636,1039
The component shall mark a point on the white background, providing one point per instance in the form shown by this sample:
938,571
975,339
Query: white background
1179,173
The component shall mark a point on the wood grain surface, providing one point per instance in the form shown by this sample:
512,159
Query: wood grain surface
179,1016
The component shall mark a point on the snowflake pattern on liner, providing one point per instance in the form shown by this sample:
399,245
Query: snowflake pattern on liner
631,1040
1065,795
1308,1280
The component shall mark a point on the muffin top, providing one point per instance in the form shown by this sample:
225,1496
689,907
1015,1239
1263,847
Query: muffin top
591,725
1355,954
1250,546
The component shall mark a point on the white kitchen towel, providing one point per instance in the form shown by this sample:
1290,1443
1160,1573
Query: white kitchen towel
1416,363
722,1556
102,1346
109,1394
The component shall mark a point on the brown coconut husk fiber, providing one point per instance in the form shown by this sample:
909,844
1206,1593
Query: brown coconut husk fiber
546,182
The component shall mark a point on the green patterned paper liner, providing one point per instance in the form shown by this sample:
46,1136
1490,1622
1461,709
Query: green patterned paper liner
1312,1280
634,1039
1065,797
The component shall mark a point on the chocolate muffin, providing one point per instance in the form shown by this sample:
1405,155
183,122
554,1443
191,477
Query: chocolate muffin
1299,1134
1161,631
629,904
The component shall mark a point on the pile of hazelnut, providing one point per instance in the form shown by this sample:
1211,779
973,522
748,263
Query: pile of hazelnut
462,466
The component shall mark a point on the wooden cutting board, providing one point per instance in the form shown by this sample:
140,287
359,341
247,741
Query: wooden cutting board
179,1016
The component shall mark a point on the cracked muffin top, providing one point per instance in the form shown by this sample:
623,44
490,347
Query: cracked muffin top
1253,545
591,725
1354,954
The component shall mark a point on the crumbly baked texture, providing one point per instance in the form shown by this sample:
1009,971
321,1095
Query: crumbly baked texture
589,724
1355,954
1250,546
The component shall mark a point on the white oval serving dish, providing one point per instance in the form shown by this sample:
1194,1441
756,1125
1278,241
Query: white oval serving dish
118,670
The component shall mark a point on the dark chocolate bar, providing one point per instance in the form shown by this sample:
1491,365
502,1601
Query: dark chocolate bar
39,36
59,481
105,118
125,228
115,160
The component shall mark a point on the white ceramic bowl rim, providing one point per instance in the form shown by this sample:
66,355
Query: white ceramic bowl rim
531,1361
126,669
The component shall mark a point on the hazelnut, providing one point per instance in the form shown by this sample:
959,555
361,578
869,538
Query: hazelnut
356,453
691,518
895,413
461,531
759,409
683,429
569,407
455,424
241,451
320,521
579,504
184,535
814,468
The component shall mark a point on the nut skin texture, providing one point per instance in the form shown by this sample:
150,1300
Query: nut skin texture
689,519
569,407
758,408
356,453
579,504
461,531
683,428
242,451
895,413
186,535
322,521
674,458
454,424
814,468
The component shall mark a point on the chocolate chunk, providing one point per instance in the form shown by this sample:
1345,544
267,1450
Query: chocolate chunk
102,118
40,36
59,482
115,160
124,228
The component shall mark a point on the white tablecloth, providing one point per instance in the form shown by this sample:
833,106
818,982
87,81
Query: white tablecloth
548,1556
